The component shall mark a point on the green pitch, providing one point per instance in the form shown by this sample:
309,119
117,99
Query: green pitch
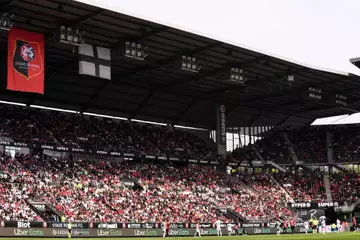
329,236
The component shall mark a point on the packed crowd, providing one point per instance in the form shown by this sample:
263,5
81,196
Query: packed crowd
309,143
267,203
103,134
346,143
303,187
96,191
345,187
274,148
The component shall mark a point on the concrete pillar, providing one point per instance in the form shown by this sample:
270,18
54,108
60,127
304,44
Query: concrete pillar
329,149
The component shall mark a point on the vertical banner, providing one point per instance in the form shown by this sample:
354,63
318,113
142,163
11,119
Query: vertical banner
221,129
25,61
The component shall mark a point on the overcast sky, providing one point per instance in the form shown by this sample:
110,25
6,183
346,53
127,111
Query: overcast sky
322,33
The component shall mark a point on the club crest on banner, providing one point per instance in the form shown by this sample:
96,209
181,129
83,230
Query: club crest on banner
26,61
27,58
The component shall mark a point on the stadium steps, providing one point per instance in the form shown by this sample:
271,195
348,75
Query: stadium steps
340,168
256,151
327,188
303,168
39,121
291,148
230,213
48,131
242,184
45,211
349,208
281,188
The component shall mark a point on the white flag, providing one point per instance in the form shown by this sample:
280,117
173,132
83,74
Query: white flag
95,61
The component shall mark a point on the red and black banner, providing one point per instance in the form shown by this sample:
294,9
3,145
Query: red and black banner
25,61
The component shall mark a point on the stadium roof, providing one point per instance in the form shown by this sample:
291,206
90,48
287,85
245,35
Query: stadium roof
157,89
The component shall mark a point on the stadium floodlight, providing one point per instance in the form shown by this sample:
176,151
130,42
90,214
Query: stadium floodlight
135,50
315,93
71,36
190,63
237,75
6,22
341,99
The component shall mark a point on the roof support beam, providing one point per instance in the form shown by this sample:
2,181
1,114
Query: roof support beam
105,83
213,72
49,76
140,38
295,91
254,119
184,111
141,105
147,68
231,112
256,82
196,78
5,5
76,22
285,120
170,60
84,18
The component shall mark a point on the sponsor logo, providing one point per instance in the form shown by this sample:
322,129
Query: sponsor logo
101,152
134,225
20,144
23,225
28,232
139,232
301,205
250,225
40,207
222,125
208,231
47,147
179,232
108,225
148,225
65,225
110,232
115,154
257,230
328,204
63,148
176,225
78,150
74,232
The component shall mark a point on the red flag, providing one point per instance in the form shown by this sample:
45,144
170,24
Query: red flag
25,61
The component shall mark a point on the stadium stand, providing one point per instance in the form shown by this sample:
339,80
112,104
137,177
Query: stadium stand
95,188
